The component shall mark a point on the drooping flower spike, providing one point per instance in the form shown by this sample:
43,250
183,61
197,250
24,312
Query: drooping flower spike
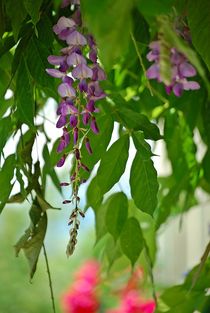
79,91
181,70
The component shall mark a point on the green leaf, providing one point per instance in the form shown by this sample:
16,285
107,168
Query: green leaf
113,251
144,185
31,242
33,8
17,13
49,169
24,94
141,145
6,175
199,19
155,7
131,240
106,19
113,164
137,121
36,56
100,218
147,224
24,147
94,195
117,212
6,127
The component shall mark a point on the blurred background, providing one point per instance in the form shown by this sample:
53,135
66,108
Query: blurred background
185,236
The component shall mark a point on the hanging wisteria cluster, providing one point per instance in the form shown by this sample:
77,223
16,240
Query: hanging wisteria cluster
180,69
80,73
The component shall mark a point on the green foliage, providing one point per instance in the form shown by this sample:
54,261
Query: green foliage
131,240
199,19
126,224
144,185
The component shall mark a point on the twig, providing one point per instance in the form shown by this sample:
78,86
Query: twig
150,266
141,62
200,267
49,278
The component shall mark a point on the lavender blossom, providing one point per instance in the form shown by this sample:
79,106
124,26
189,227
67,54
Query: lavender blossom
181,70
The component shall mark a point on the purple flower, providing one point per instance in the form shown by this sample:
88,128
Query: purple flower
56,60
95,92
153,72
77,154
94,126
76,39
75,59
61,161
187,70
85,167
64,141
63,24
68,80
93,55
75,135
82,71
65,90
83,85
180,69
87,145
73,121
61,121
86,117
55,73
98,73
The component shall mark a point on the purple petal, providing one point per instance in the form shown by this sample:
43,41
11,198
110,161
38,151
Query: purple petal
68,80
63,67
168,89
65,90
61,121
76,39
191,85
83,86
75,59
66,136
154,45
90,106
178,89
75,135
91,41
64,184
73,121
54,73
85,167
61,145
93,55
85,118
98,73
94,126
82,71
63,23
153,72
77,154
187,70
87,145
153,55
95,91
56,60
61,161
176,57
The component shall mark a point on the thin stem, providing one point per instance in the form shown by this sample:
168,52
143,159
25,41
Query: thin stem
141,62
49,278
150,266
